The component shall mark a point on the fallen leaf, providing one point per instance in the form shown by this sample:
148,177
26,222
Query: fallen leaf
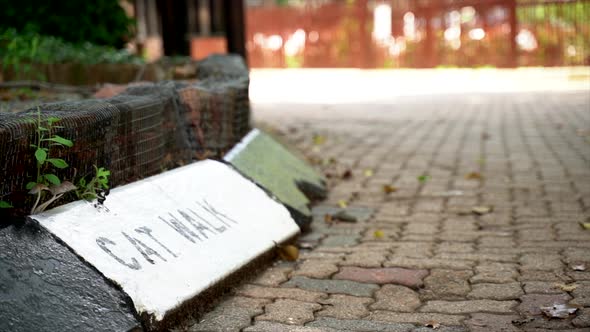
579,267
519,322
473,176
62,188
378,234
423,178
347,174
328,218
314,160
566,288
585,225
388,189
481,210
319,139
558,311
432,324
342,204
345,216
368,172
288,252
306,245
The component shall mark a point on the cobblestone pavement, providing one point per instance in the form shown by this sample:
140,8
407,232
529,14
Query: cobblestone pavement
426,259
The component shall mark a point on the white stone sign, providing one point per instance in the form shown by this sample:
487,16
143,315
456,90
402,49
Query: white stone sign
167,238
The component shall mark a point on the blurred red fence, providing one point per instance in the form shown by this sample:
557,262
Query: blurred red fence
418,33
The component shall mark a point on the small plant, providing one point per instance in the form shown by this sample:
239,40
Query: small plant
96,188
5,205
45,180
17,52
47,186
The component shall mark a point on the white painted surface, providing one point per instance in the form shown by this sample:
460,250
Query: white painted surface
181,268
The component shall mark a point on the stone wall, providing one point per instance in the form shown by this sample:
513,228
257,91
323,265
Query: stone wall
144,130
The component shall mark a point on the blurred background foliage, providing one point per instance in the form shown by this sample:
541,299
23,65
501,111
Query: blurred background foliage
101,22
31,47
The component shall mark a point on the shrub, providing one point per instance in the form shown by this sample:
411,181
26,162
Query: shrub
101,22
17,48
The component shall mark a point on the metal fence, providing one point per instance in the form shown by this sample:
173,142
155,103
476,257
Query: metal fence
142,131
418,33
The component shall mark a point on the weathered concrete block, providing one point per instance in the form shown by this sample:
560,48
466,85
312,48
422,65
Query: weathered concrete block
272,166
167,238
46,287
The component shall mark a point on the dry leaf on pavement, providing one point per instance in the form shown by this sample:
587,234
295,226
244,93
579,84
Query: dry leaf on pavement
328,218
368,172
378,234
288,252
306,245
566,288
319,139
347,174
388,189
579,267
558,311
481,210
473,176
342,204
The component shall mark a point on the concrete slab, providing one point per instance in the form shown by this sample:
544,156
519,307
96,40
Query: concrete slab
169,237
46,287
264,160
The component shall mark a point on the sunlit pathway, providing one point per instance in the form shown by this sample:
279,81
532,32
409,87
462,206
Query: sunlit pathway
425,258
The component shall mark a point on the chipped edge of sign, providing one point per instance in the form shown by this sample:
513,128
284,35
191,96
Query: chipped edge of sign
231,154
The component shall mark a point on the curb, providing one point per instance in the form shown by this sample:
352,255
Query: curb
147,243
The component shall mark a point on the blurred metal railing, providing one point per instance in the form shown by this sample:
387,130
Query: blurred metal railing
419,33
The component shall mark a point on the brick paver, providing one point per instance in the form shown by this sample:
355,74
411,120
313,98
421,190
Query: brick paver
424,257
405,277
